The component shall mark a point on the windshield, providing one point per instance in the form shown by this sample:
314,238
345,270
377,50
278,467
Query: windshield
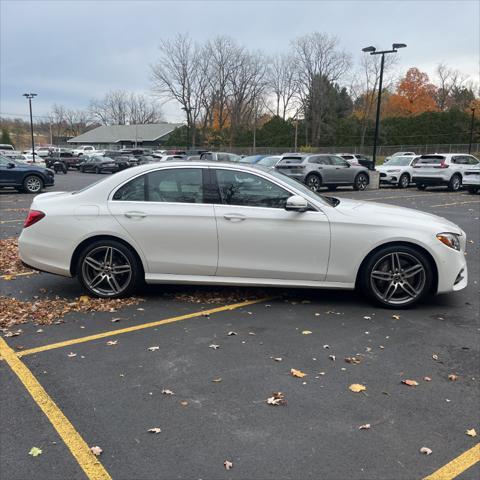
400,161
269,161
302,188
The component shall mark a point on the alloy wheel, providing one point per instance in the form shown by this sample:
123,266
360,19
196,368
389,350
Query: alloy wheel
106,271
313,183
398,278
404,181
362,182
33,184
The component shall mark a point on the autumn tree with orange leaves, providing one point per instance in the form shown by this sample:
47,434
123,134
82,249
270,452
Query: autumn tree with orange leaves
414,95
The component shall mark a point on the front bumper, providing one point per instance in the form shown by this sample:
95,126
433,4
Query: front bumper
388,177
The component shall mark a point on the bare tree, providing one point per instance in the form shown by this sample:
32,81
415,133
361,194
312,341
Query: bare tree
177,75
449,81
318,56
142,110
283,83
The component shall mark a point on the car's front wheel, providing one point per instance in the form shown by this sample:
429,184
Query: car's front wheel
404,180
108,269
361,182
32,184
397,276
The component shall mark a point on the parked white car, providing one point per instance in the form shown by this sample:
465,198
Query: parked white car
399,171
83,150
442,169
471,179
233,224
399,154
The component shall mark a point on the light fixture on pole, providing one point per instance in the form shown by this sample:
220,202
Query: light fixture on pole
30,96
373,51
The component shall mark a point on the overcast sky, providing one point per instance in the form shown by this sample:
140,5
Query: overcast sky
70,51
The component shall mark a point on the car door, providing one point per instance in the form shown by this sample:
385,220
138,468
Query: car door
342,172
323,167
9,175
165,212
258,238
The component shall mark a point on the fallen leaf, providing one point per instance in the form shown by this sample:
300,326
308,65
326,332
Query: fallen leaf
155,430
114,320
435,356
353,360
227,464
426,450
96,450
427,379
71,355
217,380
326,346
8,277
152,349
306,332
276,399
410,383
357,387
396,317
277,359
471,432
231,333
364,427
35,452
183,403
297,373
112,342
453,377
84,299
166,391
332,357
215,347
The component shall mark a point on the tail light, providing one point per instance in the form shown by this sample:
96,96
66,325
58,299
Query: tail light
33,216
443,165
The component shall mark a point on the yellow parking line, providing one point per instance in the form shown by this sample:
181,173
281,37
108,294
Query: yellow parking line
73,440
13,275
455,203
114,333
457,465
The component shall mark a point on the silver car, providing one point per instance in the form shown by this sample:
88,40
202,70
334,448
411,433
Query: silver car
317,170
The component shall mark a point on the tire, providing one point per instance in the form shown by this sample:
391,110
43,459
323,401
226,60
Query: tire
82,169
472,189
360,182
32,184
313,182
332,188
97,170
404,180
455,183
386,287
96,265
421,187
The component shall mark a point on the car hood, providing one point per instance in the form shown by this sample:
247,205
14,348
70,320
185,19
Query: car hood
383,214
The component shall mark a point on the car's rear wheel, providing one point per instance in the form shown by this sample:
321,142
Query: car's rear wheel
32,184
313,182
397,276
455,183
404,180
360,182
97,170
108,269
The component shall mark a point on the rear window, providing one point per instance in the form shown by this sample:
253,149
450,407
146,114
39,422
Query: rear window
291,160
348,157
430,159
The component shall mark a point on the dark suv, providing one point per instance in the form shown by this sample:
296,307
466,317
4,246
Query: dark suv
23,176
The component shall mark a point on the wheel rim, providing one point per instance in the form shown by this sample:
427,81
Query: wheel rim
398,278
404,181
456,183
362,182
106,271
313,183
33,184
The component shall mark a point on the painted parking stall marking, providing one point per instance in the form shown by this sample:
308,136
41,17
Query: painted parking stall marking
457,465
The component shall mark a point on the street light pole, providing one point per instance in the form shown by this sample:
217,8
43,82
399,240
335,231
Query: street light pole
30,96
373,51
471,130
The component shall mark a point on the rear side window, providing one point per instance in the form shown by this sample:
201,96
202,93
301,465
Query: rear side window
133,191
430,159
291,160
348,157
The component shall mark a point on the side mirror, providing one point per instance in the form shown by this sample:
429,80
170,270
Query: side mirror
10,165
296,203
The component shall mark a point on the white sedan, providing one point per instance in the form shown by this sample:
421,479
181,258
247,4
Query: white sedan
233,224
398,171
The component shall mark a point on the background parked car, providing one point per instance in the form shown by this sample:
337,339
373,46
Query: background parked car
6,147
442,169
317,170
84,149
251,159
471,179
24,177
355,158
67,157
399,171
269,162
99,165
399,154
220,157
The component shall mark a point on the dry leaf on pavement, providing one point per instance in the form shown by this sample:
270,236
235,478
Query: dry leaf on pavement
396,317
152,349
231,333
155,430
71,355
112,342
332,357
410,383
427,379
96,450
214,346
166,391
297,373
306,332
217,380
366,426
35,452
426,450
227,464
183,403
357,387
471,432
353,360
276,399
453,377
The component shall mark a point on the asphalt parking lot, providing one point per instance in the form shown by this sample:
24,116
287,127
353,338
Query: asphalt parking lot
221,353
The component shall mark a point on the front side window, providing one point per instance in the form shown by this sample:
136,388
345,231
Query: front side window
337,161
246,189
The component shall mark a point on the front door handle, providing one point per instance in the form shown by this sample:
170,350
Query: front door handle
234,217
135,214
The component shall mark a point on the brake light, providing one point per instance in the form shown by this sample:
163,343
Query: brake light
33,216
443,165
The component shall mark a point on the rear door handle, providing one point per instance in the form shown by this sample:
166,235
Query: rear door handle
135,214
234,217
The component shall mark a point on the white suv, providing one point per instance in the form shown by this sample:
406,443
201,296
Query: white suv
83,150
442,169
471,179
